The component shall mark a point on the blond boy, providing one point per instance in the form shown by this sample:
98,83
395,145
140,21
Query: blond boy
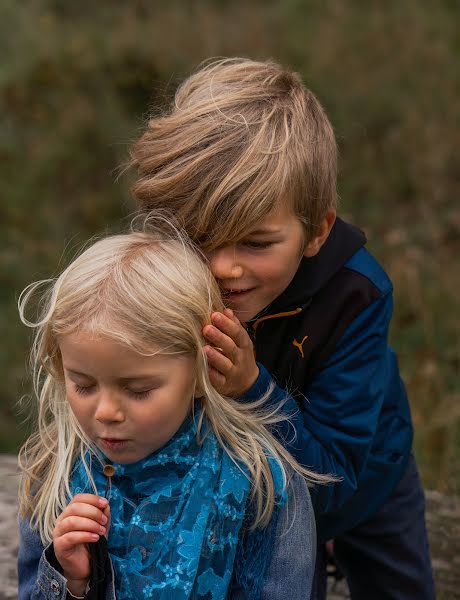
246,161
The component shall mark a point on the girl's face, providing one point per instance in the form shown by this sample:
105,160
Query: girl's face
128,404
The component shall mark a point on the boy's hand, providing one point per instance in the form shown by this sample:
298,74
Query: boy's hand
232,366
83,521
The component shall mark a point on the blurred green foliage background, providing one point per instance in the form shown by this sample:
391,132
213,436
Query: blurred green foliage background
77,80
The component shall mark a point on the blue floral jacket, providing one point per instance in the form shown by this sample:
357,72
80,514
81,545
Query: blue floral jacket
288,576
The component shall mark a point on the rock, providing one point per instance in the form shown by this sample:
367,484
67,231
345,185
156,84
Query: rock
8,527
443,522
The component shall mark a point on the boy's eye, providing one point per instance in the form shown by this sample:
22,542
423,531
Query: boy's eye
257,244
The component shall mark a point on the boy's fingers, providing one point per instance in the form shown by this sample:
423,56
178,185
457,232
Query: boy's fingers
217,379
217,360
222,343
228,312
233,329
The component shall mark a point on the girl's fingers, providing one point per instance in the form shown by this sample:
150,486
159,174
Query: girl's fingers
80,509
92,499
70,540
78,524
107,514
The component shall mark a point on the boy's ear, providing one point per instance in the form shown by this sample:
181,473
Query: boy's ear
314,245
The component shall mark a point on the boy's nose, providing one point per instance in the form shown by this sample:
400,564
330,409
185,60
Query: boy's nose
224,263
108,409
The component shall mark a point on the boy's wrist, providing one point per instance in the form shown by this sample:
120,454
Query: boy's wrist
250,381
259,386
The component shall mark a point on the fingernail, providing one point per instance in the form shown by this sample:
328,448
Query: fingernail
102,530
103,502
104,519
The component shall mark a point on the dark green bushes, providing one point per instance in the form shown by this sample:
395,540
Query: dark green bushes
76,81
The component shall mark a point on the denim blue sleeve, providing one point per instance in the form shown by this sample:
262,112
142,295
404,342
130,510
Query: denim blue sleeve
38,580
278,561
292,563
335,423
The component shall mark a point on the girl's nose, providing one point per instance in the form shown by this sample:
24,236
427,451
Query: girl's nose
108,409
224,263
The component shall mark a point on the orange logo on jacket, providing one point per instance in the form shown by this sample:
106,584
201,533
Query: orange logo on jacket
299,345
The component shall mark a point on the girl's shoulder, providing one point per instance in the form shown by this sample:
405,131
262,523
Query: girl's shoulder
282,555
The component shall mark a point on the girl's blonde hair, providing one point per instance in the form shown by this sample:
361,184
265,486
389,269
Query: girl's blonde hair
240,137
144,289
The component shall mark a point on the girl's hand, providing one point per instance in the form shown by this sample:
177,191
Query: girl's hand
83,521
232,366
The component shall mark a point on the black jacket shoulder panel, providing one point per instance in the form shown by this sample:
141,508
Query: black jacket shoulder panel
295,348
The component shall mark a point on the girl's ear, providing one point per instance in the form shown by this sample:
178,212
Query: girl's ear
315,244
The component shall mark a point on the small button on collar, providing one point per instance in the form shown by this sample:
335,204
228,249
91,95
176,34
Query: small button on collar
55,587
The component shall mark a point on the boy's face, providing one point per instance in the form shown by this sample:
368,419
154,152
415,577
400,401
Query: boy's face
128,404
257,269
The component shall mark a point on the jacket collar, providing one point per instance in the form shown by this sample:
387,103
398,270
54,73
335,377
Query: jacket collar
313,273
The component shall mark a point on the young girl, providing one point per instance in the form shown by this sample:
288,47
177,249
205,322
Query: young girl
142,481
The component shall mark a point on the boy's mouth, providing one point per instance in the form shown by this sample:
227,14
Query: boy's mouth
234,293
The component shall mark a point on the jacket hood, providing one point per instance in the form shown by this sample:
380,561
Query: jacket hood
313,273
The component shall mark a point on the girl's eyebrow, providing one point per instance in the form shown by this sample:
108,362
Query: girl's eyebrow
72,372
142,377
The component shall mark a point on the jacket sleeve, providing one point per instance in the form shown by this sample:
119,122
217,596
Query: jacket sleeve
37,578
40,577
338,417
292,562
292,553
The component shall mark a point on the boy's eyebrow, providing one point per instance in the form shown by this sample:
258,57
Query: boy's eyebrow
265,231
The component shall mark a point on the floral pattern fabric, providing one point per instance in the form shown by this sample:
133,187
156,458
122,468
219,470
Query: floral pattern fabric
176,518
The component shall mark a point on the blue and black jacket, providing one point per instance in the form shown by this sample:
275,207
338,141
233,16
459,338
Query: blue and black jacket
324,341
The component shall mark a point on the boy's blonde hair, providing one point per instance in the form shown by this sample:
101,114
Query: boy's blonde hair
146,290
240,137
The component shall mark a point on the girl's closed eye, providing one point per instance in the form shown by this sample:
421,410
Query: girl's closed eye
84,390
139,394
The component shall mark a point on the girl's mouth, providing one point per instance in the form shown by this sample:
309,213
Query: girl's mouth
114,443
